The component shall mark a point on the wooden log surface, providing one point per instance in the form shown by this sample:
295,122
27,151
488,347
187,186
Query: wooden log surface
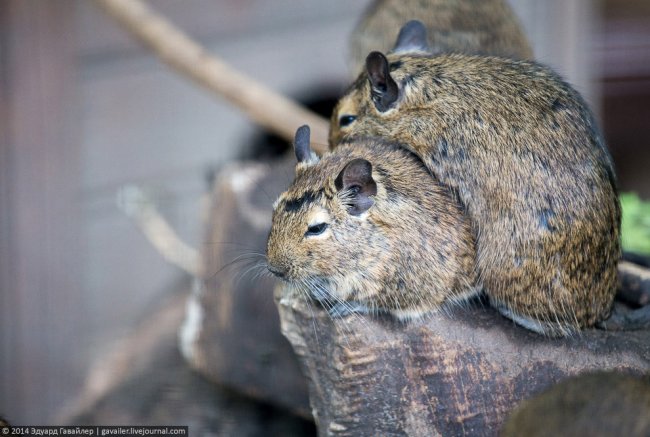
458,374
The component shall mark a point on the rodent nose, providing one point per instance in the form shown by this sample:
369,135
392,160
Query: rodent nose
277,272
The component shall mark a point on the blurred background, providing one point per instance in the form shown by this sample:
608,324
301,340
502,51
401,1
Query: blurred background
85,111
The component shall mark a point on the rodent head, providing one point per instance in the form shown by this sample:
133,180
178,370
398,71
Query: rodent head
320,223
360,224
377,93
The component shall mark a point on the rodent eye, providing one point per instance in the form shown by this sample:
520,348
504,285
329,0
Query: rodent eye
314,230
346,120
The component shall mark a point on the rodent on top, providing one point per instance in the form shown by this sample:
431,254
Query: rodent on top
523,153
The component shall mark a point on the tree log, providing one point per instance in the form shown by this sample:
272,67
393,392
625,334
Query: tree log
451,374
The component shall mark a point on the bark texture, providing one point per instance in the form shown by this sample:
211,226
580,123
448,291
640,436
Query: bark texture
458,374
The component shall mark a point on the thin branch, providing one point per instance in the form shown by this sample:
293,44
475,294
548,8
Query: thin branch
137,206
265,106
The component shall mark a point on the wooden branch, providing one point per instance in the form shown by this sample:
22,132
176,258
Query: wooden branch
134,353
634,285
137,206
458,374
266,107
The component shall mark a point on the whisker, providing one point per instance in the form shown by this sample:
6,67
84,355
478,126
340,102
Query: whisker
239,259
242,273
308,302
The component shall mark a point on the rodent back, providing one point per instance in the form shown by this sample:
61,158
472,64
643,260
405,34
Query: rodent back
496,117
408,252
515,100
511,126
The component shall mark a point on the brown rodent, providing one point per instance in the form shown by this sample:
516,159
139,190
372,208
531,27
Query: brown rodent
367,228
527,160
599,404
486,27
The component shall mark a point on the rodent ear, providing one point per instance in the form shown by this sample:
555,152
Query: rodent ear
301,146
356,181
384,90
412,38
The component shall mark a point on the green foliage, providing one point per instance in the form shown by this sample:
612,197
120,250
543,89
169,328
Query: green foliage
635,226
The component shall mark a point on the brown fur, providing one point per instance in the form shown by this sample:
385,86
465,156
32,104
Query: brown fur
527,160
374,260
454,26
